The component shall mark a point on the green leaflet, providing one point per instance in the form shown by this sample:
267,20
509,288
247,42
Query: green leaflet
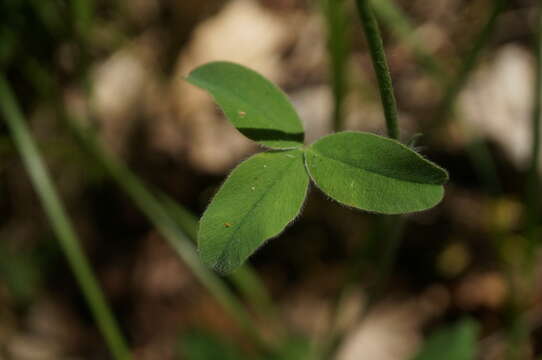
260,197
374,173
457,342
255,106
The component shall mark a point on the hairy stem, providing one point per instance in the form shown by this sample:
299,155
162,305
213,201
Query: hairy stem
478,150
62,226
380,65
390,14
392,234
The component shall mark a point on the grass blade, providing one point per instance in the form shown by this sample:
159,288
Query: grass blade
245,278
338,38
445,107
59,221
149,204
176,224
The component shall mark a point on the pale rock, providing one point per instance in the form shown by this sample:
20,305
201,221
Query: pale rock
497,102
119,86
314,105
245,33
391,332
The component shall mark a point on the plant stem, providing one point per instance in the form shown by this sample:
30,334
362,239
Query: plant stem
394,223
477,150
392,226
393,16
61,224
380,65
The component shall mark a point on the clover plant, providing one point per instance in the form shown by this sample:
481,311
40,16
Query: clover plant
266,192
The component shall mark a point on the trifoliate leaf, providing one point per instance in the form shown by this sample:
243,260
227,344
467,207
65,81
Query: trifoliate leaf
255,106
374,173
260,197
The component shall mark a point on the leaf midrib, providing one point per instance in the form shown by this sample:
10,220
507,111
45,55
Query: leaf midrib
254,205
313,150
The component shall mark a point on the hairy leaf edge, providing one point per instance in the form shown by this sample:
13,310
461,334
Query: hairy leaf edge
331,198
444,172
191,80
313,180
299,211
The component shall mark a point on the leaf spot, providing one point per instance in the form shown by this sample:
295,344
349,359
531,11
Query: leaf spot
241,114
227,225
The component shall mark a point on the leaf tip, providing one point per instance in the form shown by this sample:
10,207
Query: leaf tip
443,177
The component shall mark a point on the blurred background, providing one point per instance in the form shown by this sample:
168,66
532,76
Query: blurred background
136,153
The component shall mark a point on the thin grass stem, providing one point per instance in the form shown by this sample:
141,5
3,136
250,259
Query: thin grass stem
445,108
392,235
337,22
245,278
168,228
176,224
60,223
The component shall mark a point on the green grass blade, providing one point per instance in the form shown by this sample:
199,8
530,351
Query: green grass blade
167,227
183,223
338,39
59,221
245,278
445,107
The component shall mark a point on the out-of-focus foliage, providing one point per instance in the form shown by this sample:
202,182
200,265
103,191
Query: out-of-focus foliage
454,342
